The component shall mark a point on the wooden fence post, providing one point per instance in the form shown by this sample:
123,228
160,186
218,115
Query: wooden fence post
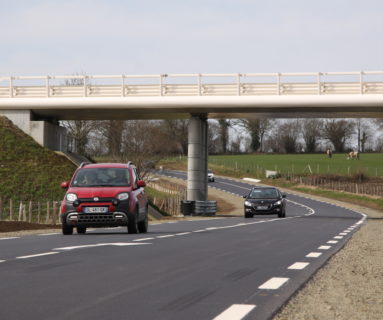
38,211
54,213
10,209
30,211
47,216
1,208
20,211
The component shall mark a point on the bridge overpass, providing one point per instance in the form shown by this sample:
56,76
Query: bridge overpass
37,103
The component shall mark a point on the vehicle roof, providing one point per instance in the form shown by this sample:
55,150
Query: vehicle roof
265,188
105,165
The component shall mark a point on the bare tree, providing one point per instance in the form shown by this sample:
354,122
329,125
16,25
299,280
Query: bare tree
338,132
224,133
311,133
178,133
364,132
288,135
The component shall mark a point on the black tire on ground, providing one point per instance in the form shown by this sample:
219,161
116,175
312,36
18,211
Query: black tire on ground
143,225
132,224
282,214
248,215
81,229
67,230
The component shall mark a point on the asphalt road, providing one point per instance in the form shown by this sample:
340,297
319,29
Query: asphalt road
218,268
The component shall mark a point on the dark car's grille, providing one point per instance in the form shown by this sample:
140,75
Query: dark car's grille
95,218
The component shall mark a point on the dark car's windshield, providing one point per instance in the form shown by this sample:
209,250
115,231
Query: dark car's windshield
101,177
266,193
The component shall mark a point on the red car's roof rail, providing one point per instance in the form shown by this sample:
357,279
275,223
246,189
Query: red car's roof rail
83,164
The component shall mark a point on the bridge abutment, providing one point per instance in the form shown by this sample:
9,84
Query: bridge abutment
197,158
47,134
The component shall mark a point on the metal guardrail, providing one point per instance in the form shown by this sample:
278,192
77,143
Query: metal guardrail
241,84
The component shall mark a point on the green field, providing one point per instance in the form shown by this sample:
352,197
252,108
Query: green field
255,165
370,164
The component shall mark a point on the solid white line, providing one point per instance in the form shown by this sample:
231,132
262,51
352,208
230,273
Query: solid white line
47,234
199,231
37,255
166,236
2,261
298,266
273,283
143,239
235,312
9,238
338,237
324,247
182,233
212,228
332,241
314,254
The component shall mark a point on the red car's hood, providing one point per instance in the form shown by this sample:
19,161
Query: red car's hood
101,192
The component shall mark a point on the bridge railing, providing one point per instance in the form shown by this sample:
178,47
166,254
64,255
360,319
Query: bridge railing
245,84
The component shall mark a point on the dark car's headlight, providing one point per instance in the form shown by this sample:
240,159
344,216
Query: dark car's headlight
248,203
278,203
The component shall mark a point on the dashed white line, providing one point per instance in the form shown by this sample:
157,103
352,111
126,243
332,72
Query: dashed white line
182,233
343,233
9,238
37,255
273,283
338,237
200,230
235,312
48,234
2,261
166,236
332,241
314,254
298,266
324,247
143,239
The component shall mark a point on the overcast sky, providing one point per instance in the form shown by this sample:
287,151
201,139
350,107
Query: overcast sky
41,37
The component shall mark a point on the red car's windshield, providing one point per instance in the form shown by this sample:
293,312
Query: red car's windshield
101,177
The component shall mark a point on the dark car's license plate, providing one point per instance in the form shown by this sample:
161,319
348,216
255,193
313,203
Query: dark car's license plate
262,207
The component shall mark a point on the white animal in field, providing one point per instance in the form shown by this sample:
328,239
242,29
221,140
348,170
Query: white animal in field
353,155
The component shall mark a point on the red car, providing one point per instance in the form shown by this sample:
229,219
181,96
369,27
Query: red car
105,195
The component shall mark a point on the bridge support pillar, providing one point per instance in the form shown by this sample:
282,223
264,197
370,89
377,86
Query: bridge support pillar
197,158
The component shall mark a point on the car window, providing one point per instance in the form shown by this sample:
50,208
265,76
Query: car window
266,193
101,177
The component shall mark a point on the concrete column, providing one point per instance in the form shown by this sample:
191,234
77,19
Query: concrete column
197,158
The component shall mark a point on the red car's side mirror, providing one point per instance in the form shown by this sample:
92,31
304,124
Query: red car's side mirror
141,183
65,185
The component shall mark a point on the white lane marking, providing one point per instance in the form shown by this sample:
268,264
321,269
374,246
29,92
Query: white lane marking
324,247
9,238
212,228
314,254
273,283
235,312
200,230
182,233
166,236
36,255
347,231
2,261
48,234
343,234
143,239
118,244
298,266
332,241
338,237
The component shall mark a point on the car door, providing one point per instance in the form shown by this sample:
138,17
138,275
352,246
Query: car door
140,195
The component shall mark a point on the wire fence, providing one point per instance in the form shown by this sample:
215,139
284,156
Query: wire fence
172,202
44,212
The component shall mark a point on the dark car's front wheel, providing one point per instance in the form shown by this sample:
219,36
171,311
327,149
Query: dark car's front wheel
248,215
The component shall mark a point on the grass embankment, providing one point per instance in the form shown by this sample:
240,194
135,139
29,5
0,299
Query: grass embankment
225,165
27,170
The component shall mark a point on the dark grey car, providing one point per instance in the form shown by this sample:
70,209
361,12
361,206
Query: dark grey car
265,200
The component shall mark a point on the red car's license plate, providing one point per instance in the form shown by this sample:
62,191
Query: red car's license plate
96,209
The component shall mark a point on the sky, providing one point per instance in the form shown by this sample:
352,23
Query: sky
64,37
